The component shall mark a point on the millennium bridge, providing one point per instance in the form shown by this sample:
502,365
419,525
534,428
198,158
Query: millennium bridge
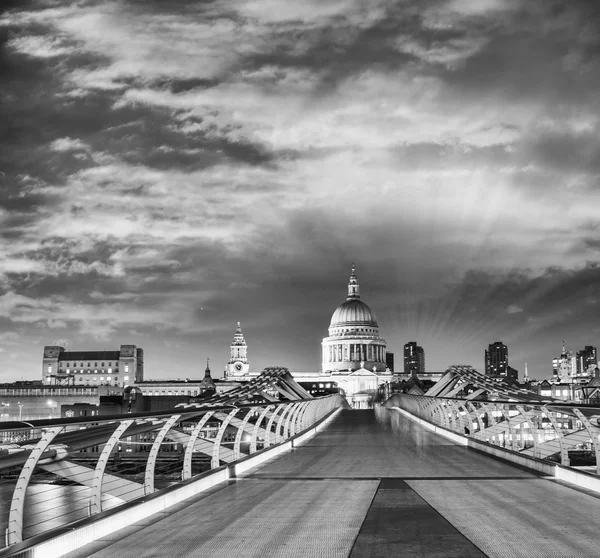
472,468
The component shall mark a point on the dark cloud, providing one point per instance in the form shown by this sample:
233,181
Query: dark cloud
538,53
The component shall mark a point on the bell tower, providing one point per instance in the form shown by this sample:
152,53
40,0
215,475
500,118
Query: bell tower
238,358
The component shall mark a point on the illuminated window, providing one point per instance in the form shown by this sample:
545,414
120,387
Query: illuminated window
127,368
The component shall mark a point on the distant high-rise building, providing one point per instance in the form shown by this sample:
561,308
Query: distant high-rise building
389,360
496,359
414,359
587,359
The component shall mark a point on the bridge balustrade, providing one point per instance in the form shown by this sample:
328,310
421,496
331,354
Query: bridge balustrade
564,433
55,473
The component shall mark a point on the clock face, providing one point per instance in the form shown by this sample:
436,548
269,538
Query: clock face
238,366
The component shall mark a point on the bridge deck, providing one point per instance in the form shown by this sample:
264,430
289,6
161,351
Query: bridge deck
373,484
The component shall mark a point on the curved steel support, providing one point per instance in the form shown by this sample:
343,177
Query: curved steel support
17,506
96,490
238,437
594,433
217,447
564,449
297,425
254,439
532,430
511,430
151,463
473,409
186,472
270,425
284,432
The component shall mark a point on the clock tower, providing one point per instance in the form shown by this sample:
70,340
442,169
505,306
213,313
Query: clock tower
238,359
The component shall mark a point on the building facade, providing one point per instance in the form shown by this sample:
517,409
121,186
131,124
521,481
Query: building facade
32,400
496,359
564,368
353,342
389,360
93,368
414,359
587,360
238,364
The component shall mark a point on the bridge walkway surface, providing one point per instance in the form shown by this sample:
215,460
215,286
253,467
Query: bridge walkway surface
373,484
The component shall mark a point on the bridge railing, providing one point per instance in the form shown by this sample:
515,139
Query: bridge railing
564,433
54,473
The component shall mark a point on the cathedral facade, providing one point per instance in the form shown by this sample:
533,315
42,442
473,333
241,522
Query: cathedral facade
354,342
353,354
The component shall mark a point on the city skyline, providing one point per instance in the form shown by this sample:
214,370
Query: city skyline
169,169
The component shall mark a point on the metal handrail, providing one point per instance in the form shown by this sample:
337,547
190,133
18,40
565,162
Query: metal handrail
552,431
101,479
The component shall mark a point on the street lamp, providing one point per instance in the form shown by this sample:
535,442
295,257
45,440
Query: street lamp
4,414
20,409
51,404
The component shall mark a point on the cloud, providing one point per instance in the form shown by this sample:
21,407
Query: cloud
190,151
68,144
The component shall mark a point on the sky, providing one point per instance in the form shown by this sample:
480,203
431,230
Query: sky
169,168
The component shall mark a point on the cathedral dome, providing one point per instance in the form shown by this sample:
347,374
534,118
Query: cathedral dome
353,312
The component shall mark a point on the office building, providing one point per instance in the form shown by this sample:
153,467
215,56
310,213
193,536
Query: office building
414,359
496,359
